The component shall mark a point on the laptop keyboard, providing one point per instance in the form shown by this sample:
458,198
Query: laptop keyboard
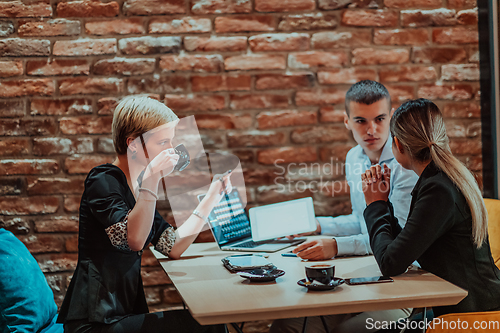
248,244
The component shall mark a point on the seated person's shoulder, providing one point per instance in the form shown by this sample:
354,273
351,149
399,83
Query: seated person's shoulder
104,177
354,153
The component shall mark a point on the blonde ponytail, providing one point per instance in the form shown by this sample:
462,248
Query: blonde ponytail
420,127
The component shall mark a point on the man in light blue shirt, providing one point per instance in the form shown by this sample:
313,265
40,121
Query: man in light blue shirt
368,113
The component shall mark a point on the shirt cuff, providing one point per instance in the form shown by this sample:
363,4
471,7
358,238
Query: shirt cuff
166,241
345,246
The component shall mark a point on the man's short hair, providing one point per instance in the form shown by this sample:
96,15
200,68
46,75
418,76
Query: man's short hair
366,92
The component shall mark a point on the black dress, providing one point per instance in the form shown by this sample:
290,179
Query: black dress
106,290
438,233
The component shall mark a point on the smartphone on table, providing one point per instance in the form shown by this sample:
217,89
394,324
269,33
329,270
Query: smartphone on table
368,280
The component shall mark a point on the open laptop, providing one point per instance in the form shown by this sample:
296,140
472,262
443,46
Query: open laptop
232,229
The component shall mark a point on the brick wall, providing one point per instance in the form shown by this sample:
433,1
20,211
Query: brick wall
265,78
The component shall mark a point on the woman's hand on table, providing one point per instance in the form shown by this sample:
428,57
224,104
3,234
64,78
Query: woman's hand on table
376,184
318,249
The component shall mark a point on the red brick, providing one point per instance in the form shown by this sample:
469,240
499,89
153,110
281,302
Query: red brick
124,66
431,55
6,29
43,243
106,105
411,37
462,3
260,176
317,59
56,27
467,17
473,54
116,27
328,114
149,45
84,47
58,146
466,147
474,130
16,225
18,47
28,206
27,87
153,7
279,42
256,139
346,75
11,186
71,244
180,25
12,109
23,9
333,39
28,167
14,147
164,84
245,156
223,121
60,107
72,203
57,67
287,155
453,92
195,102
255,62
11,68
85,125
284,5
370,56
100,86
462,110
57,262
307,21
370,18
192,63
465,72
474,163
153,276
456,128
171,296
83,164
278,193
258,101
457,35
426,18
320,96
88,8
105,145
319,134
401,93
218,44
44,186
28,127
244,23
407,73
412,3
220,6
286,118
221,83
284,81
335,4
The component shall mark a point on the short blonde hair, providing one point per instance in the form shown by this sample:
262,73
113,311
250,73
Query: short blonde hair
136,115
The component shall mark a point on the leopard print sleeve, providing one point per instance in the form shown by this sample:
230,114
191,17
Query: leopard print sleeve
166,241
117,234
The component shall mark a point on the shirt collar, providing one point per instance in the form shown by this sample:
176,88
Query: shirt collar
386,154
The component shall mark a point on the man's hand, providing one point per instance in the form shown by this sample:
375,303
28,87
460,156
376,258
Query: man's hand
376,184
315,232
319,249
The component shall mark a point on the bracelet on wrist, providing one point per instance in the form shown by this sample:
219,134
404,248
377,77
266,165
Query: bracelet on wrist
201,216
147,190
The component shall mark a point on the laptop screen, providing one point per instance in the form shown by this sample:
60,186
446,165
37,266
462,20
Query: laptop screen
228,219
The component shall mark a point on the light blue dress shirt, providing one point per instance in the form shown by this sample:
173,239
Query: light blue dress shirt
350,230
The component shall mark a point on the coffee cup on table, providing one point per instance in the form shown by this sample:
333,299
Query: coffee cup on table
322,273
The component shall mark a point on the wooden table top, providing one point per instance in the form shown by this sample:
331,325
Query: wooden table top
214,295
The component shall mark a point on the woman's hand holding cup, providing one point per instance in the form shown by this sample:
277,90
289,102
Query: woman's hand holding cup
162,165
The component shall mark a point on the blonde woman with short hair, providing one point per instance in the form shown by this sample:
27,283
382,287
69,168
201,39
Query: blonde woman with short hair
446,229
116,224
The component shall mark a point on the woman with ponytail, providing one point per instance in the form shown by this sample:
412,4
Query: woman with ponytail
446,229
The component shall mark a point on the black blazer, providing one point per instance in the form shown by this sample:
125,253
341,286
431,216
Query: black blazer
438,233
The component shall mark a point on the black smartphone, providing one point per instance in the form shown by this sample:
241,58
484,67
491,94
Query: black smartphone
368,280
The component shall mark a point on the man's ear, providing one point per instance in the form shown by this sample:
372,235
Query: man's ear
399,146
346,121
391,113
131,144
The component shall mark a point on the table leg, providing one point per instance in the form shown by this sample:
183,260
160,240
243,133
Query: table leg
305,325
236,327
